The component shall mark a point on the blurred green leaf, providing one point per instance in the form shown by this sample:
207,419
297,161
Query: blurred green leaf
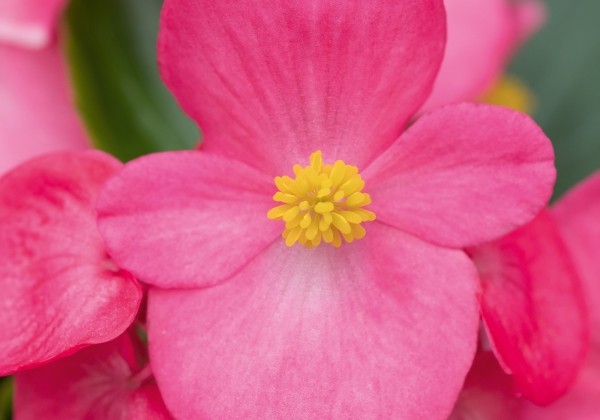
561,65
111,47
5,398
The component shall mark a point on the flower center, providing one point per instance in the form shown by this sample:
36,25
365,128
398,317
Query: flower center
324,203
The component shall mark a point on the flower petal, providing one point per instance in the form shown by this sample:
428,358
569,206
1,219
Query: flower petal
186,219
487,393
266,79
100,382
35,108
29,23
533,309
382,328
60,292
578,216
463,175
482,33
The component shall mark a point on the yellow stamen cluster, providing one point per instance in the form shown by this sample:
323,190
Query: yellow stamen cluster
324,203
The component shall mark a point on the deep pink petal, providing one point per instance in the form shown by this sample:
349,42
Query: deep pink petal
271,78
482,34
533,308
186,219
487,393
60,291
100,382
382,328
581,403
36,112
463,175
29,23
578,216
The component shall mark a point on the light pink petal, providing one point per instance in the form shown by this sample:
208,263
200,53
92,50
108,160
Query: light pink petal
482,35
36,112
578,216
60,291
487,393
267,79
186,219
463,175
534,310
530,15
100,382
382,328
29,23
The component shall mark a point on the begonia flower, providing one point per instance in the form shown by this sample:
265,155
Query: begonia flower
243,323
533,309
482,36
60,291
37,114
107,381
488,389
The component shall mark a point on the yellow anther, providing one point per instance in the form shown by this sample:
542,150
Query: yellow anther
322,204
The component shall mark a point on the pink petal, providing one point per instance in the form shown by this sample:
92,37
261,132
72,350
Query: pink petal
36,112
487,393
382,328
534,310
530,15
186,219
100,382
463,175
581,403
266,79
29,23
578,216
482,34
60,292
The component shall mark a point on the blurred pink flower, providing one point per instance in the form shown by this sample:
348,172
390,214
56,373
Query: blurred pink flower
482,36
36,110
106,381
383,327
489,390
60,291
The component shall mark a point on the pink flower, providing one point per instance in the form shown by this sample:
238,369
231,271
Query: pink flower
488,389
106,381
36,111
60,291
241,325
484,34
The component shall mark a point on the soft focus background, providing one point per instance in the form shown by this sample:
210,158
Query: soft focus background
111,50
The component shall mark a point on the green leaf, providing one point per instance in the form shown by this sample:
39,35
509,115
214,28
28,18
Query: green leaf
111,49
561,65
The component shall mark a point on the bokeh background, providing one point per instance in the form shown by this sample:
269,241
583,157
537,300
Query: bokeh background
111,50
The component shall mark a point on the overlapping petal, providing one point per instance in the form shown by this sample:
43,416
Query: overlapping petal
578,216
107,381
533,309
29,23
186,219
60,291
383,328
36,111
487,393
463,175
273,78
